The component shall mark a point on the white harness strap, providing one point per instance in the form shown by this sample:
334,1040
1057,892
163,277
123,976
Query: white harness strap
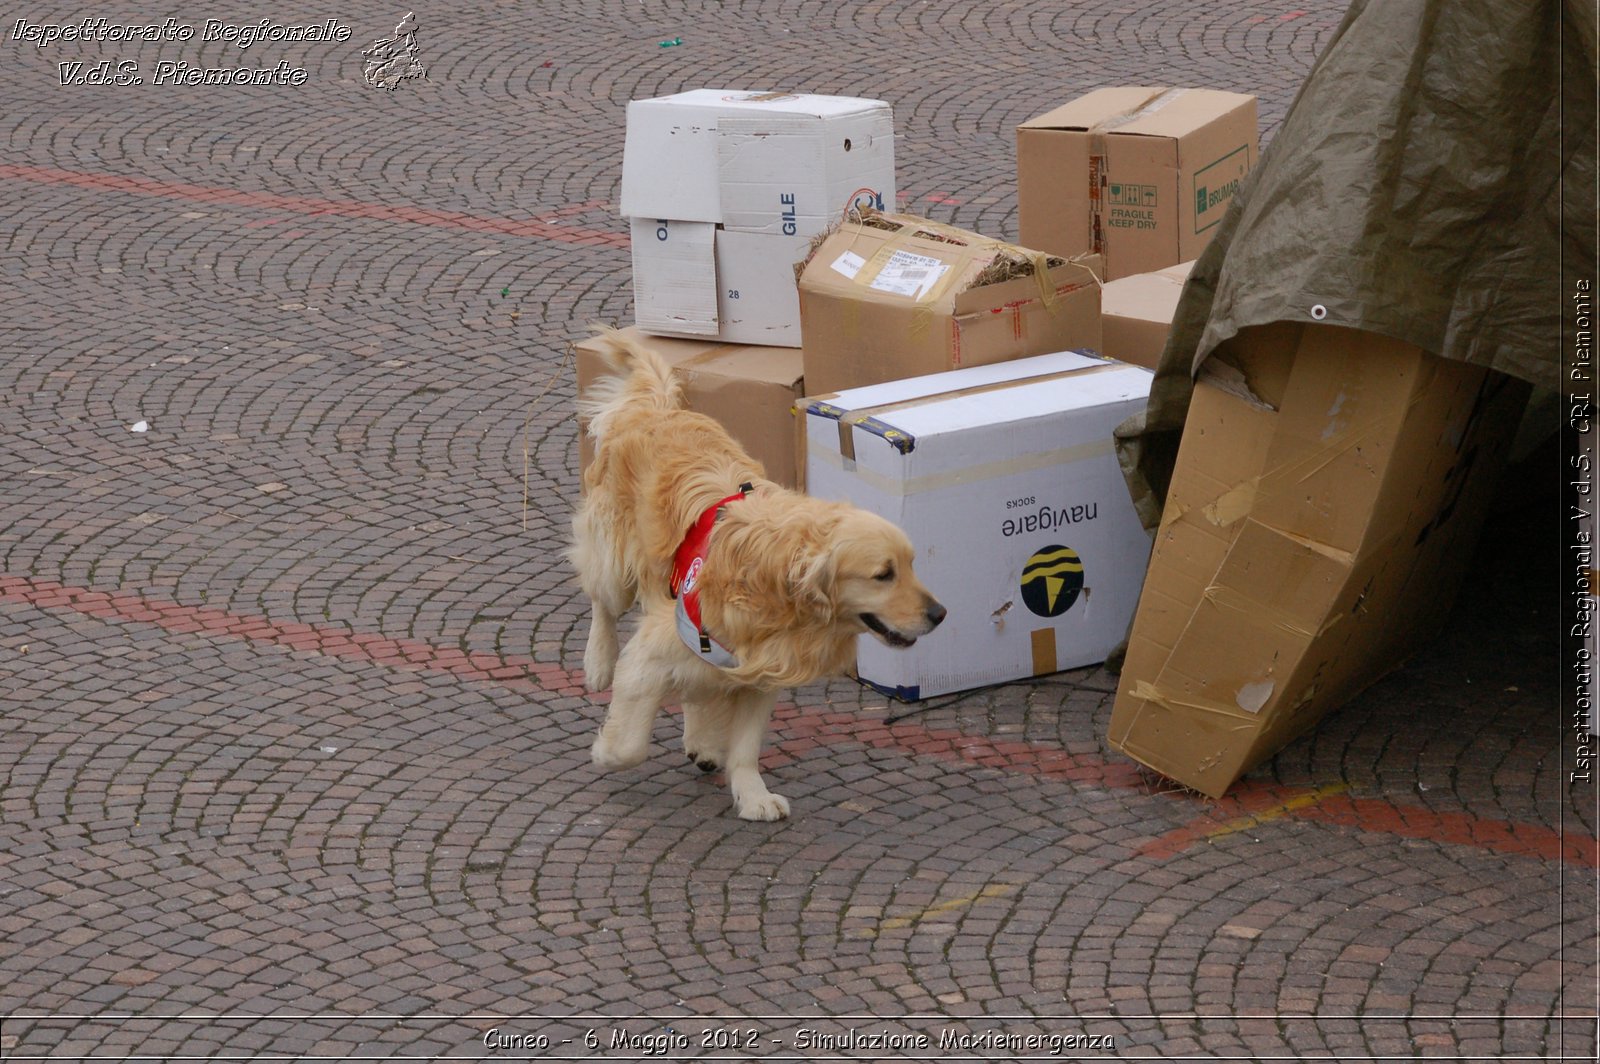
690,556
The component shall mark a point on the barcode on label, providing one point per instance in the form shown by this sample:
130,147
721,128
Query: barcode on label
909,275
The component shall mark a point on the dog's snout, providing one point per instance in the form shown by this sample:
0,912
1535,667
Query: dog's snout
935,613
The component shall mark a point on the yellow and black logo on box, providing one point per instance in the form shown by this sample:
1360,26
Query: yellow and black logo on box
1052,580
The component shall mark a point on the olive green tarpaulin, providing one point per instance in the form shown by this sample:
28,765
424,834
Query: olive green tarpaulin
1432,176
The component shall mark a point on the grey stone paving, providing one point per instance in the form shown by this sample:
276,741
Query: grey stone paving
293,761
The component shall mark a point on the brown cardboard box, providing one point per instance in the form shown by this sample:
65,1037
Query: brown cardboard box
748,390
1139,175
1136,314
886,304
1327,494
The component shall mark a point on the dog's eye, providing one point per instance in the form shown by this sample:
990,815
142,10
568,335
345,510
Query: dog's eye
886,575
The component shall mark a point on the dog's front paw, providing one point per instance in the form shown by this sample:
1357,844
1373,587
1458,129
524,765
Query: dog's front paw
766,807
608,758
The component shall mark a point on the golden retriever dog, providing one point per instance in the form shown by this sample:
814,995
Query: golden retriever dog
784,584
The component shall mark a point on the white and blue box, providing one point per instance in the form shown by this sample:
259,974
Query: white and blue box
1005,478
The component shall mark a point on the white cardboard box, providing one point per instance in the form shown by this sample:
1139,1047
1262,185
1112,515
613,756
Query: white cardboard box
758,301
1005,479
698,279
674,276
765,162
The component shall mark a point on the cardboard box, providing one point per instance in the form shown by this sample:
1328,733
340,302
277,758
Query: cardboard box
1138,175
675,277
1328,490
1005,479
882,304
783,164
750,391
1136,314
723,191
698,279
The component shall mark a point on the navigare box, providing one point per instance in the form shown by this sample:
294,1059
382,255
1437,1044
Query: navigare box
1140,175
890,296
750,391
1327,495
779,163
1136,314
1005,479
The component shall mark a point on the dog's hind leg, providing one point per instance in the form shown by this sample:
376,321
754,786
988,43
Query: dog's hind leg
748,715
705,734
642,684
605,582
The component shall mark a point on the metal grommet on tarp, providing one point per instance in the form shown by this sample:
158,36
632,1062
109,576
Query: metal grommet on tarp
1319,312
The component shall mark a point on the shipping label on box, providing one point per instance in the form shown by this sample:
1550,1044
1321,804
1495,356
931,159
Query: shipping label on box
1005,479
694,154
1140,175
750,391
890,296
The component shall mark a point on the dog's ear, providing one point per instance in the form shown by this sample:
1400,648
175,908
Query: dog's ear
812,575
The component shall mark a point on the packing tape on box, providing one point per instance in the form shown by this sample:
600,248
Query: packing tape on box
1082,452
872,413
896,241
1042,648
1154,102
903,441
1228,598
1099,155
1145,691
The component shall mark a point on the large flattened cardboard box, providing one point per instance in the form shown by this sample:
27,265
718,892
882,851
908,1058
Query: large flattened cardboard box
891,296
748,390
1140,175
723,190
1005,479
1327,494
1136,314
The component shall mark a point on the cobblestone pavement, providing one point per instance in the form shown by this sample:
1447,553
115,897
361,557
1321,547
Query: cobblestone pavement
294,760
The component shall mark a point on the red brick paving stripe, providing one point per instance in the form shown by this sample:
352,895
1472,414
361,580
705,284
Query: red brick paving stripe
521,674
1248,798
1380,816
802,729
308,206
1417,822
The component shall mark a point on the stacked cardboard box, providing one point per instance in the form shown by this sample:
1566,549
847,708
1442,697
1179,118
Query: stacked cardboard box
724,191
1138,175
749,390
891,296
1136,314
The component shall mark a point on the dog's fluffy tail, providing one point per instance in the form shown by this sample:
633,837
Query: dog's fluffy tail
643,380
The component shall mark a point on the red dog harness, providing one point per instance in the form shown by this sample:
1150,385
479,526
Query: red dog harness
686,564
